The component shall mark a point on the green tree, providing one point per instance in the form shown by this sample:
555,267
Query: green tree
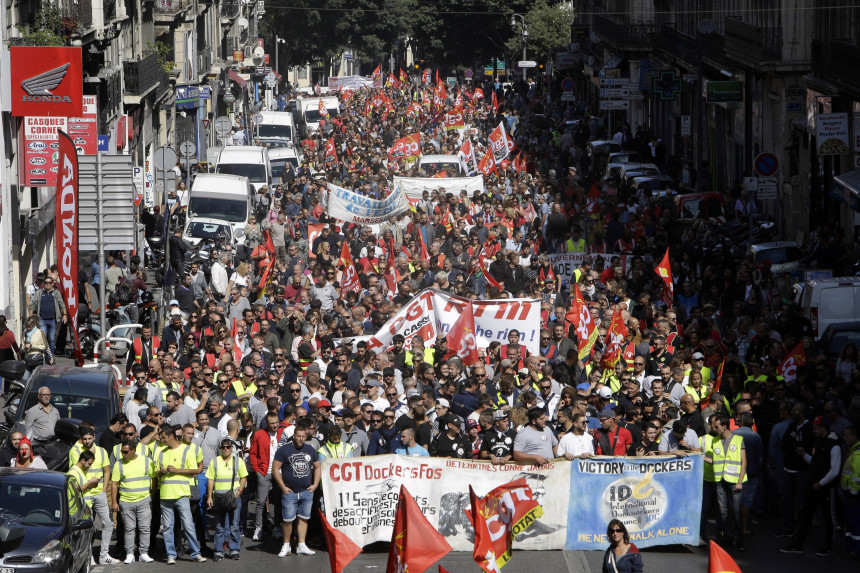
548,26
47,28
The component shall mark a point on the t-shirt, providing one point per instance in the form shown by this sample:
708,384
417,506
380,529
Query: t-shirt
575,445
531,441
297,469
618,442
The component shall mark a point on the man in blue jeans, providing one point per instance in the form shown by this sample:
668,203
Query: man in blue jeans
296,470
48,305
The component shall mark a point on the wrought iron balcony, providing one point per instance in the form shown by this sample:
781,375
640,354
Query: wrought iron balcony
170,7
624,35
142,74
752,43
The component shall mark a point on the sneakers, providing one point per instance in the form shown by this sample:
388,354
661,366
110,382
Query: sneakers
277,533
235,557
108,560
216,558
792,548
199,559
129,558
171,560
258,534
145,558
285,550
824,552
303,549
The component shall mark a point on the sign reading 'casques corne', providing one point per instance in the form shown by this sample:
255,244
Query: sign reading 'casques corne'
47,82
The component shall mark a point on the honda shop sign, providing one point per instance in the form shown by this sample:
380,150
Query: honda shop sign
47,82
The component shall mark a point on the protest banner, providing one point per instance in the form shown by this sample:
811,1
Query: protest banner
361,497
566,263
431,312
659,500
414,187
348,206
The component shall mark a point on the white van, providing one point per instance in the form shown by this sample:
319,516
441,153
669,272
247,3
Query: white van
279,157
278,129
248,161
309,111
218,207
829,300
432,164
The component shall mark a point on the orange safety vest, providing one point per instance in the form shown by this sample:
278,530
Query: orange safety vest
138,348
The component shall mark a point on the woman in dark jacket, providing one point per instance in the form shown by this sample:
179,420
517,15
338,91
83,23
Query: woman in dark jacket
622,556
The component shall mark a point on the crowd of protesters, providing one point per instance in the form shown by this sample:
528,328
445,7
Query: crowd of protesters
265,368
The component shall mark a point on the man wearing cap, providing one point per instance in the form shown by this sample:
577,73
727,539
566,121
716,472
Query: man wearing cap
371,387
227,472
498,443
535,444
174,330
352,434
611,439
386,437
451,443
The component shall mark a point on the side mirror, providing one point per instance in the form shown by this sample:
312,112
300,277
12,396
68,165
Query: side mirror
82,525
11,536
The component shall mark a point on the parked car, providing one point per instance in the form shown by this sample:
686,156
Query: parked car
58,524
90,394
782,256
836,336
828,300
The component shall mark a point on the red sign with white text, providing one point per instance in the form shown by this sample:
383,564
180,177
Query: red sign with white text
84,130
47,81
40,150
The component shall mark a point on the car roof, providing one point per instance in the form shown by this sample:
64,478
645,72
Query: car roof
28,476
853,325
282,153
773,245
93,382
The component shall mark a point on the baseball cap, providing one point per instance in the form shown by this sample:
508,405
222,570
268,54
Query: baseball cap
523,371
388,371
500,415
313,367
412,392
605,392
698,356
818,421
606,413
323,404
175,312
347,413
226,441
372,382
173,302
456,420
583,386
443,402
471,423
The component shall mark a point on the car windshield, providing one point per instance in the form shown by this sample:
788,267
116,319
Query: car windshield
255,172
313,115
779,255
439,166
279,165
31,504
275,131
203,230
92,409
223,209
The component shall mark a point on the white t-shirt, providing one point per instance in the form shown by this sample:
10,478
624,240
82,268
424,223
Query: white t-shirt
575,445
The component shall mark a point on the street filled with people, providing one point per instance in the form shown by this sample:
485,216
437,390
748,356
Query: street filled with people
269,359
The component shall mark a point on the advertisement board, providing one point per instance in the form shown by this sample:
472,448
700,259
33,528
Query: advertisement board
46,81
84,130
40,150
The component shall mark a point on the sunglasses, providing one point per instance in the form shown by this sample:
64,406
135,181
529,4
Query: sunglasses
126,452
227,447
295,390
616,530
376,421
128,433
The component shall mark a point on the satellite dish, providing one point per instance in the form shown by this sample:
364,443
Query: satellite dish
259,52
242,23
706,26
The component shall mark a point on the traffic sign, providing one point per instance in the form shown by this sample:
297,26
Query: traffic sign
223,125
686,125
187,148
767,187
165,158
614,92
205,123
613,82
610,104
468,74
567,85
270,77
527,64
229,97
636,96
766,164
568,96
258,118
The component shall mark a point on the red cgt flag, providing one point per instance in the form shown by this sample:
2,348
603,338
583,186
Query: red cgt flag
617,336
586,330
494,102
462,342
664,269
485,552
720,561
788,367
341,549
487,164
415,543
349,279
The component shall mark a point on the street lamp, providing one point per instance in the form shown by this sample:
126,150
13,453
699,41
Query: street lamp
524,32
278,40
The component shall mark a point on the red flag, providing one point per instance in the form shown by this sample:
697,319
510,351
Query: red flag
270,245
66,227
487,164
494,102
478,94
415,543
440,175
720,561
322,109
454,119
592,205
406,148
414,110
330,151
490,280
438,82
439,97
664,269
349,278
788,367
341,549
266,265
461,338
484,553
314,231
424,254
586,330
617,336
403,77
467,156
499,142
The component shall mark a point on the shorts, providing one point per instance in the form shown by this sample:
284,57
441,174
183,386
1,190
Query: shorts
750,487
295,504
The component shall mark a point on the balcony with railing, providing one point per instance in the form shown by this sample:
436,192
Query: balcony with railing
752,44
142,74
204,61
837,62
230,8
623,34
167,10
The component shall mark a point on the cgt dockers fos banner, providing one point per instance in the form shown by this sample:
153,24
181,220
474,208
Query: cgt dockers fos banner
659,499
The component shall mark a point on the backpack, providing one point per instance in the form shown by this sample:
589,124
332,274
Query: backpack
125,292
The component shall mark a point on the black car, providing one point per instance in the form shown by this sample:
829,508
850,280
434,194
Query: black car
88,394
58,524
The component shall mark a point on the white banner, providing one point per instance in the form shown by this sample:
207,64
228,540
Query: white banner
432,312
349,83
361,496
414,187
348,206
566,263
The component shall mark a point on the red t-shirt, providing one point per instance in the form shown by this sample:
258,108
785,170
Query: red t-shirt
621,445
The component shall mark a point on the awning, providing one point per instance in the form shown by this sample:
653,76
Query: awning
236,78
850,183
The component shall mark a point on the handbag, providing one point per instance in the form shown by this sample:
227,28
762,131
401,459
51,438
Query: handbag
226,500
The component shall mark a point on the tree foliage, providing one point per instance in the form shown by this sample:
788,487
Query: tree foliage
48,27
548,26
